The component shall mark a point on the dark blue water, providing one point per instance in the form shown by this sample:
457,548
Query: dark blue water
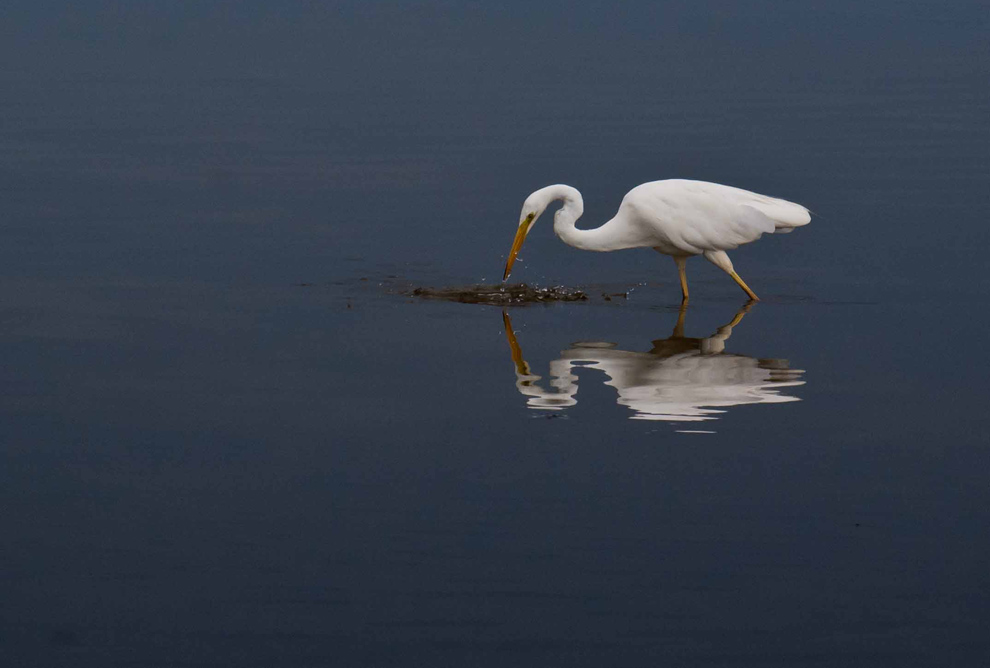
229,439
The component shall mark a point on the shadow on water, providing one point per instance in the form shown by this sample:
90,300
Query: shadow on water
681,379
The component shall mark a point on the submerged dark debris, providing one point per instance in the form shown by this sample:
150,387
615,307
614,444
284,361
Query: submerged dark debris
501,295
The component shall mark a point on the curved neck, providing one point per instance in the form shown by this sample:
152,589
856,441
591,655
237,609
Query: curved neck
565,218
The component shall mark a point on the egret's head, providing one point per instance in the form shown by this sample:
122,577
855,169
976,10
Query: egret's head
534,205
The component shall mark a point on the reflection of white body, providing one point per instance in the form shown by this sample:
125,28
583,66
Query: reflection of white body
681,379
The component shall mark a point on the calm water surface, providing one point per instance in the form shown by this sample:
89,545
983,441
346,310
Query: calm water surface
229,439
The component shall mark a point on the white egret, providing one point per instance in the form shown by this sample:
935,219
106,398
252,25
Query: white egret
675,217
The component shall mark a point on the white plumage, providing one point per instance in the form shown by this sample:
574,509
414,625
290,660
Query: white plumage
676,217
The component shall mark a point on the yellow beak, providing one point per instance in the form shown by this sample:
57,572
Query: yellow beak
517,243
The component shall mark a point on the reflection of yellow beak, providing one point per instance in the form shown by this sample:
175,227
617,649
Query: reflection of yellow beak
517,244
521,367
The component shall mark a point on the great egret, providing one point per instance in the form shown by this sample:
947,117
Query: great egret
675,217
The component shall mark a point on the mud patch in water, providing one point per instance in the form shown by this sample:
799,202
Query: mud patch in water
500,295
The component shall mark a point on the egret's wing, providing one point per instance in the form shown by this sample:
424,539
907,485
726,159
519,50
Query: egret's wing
722,225
695,216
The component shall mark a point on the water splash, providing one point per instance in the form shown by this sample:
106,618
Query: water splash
500,295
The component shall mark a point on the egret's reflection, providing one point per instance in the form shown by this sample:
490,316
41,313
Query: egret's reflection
681,379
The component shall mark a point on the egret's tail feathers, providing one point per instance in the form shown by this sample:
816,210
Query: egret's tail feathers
785,215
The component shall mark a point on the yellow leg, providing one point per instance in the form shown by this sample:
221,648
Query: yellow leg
742,284
681,267
722,261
